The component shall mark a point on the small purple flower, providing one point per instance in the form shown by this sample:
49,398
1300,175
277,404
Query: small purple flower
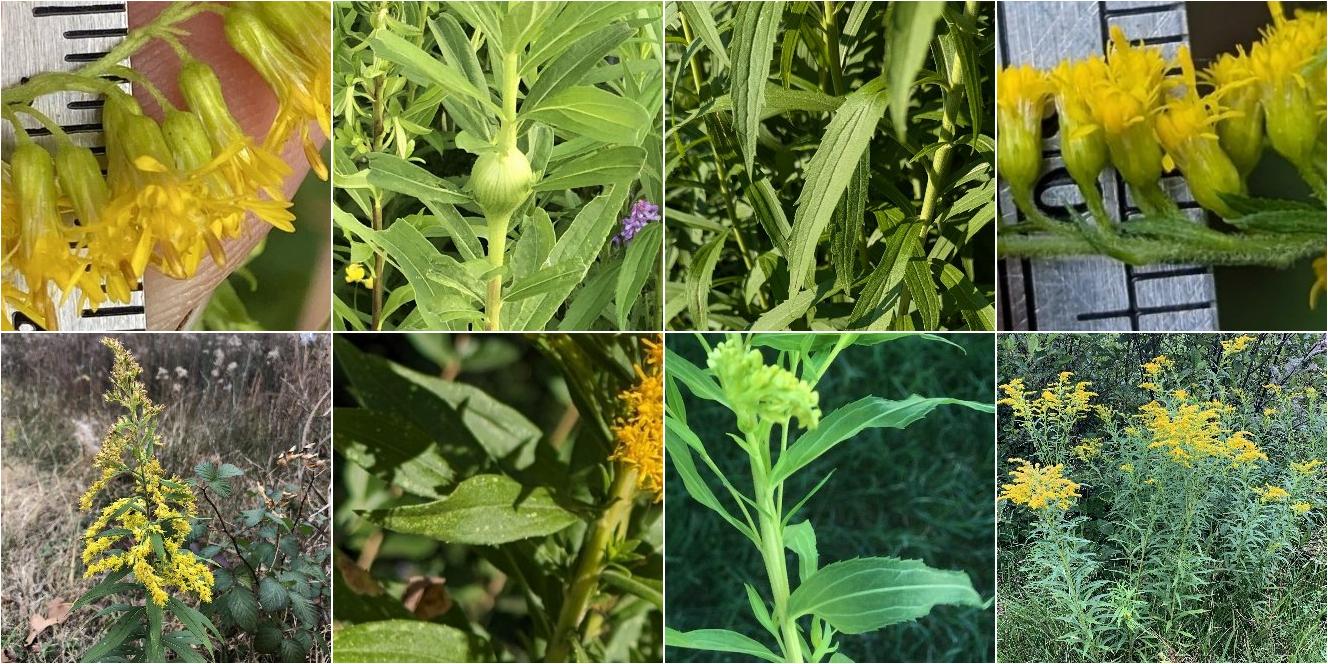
643,212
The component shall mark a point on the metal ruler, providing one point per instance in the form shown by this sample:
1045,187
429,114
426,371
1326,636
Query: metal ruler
1094,293
56,36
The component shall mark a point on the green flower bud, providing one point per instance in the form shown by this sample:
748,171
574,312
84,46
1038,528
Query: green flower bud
500,181
187,140
82,181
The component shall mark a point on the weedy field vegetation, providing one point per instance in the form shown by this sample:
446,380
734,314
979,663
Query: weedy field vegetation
1178,515
815,611
830,165
498,165
167,585
499,498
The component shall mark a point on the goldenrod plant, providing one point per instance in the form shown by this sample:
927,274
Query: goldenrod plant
473,529
498,165
768,385
172,190
831,165
1190,502
142,535
1149,116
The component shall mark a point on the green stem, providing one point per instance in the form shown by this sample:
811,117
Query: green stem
771,534
606,529
493,306
1272,251
377,220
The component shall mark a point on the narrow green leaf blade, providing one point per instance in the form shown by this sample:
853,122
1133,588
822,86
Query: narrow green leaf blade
829,172
485,510
702,22
638,264
866,594
753,42
594,113
699,275
720,640
847,421
800,538
911,26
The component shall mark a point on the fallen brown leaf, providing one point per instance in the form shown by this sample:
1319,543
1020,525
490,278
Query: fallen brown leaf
426,597
56,612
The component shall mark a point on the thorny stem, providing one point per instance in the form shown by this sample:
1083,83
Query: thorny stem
589,563
377,220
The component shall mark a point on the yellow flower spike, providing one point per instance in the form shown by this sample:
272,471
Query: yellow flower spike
1234,346
1021,101
640,433
1240,133
1306,468
303,94
1039,487
1271,494
1300,508
1015,398
1083,146
1290,75
1123,106
1185,128
41,255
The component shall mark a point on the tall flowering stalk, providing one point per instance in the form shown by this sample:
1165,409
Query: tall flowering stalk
638,470
174,189
142,532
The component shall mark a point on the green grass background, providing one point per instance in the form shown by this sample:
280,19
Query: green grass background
924,492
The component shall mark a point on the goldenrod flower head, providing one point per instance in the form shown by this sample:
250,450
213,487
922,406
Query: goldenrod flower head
1157,365
758,391
1300,508
1022,94
1180,394
41,254
1088,450
1186,129
1269,411
302,87
1240,132
1039,487
1271,494
1083,145
1127,467
1233,346
1190,431
641,432
253,167
1124,105
355,273
1015,398
1290,71
1306,467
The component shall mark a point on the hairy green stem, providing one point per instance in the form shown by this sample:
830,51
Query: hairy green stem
1274,251
771,535
493,305
377,220
590,562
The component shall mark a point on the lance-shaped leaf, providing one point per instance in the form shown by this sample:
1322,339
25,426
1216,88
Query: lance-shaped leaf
753,42
485,510
866,594
848,420
720,640
911,26
829,172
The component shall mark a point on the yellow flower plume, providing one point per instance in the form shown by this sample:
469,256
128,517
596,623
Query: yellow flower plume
641,432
